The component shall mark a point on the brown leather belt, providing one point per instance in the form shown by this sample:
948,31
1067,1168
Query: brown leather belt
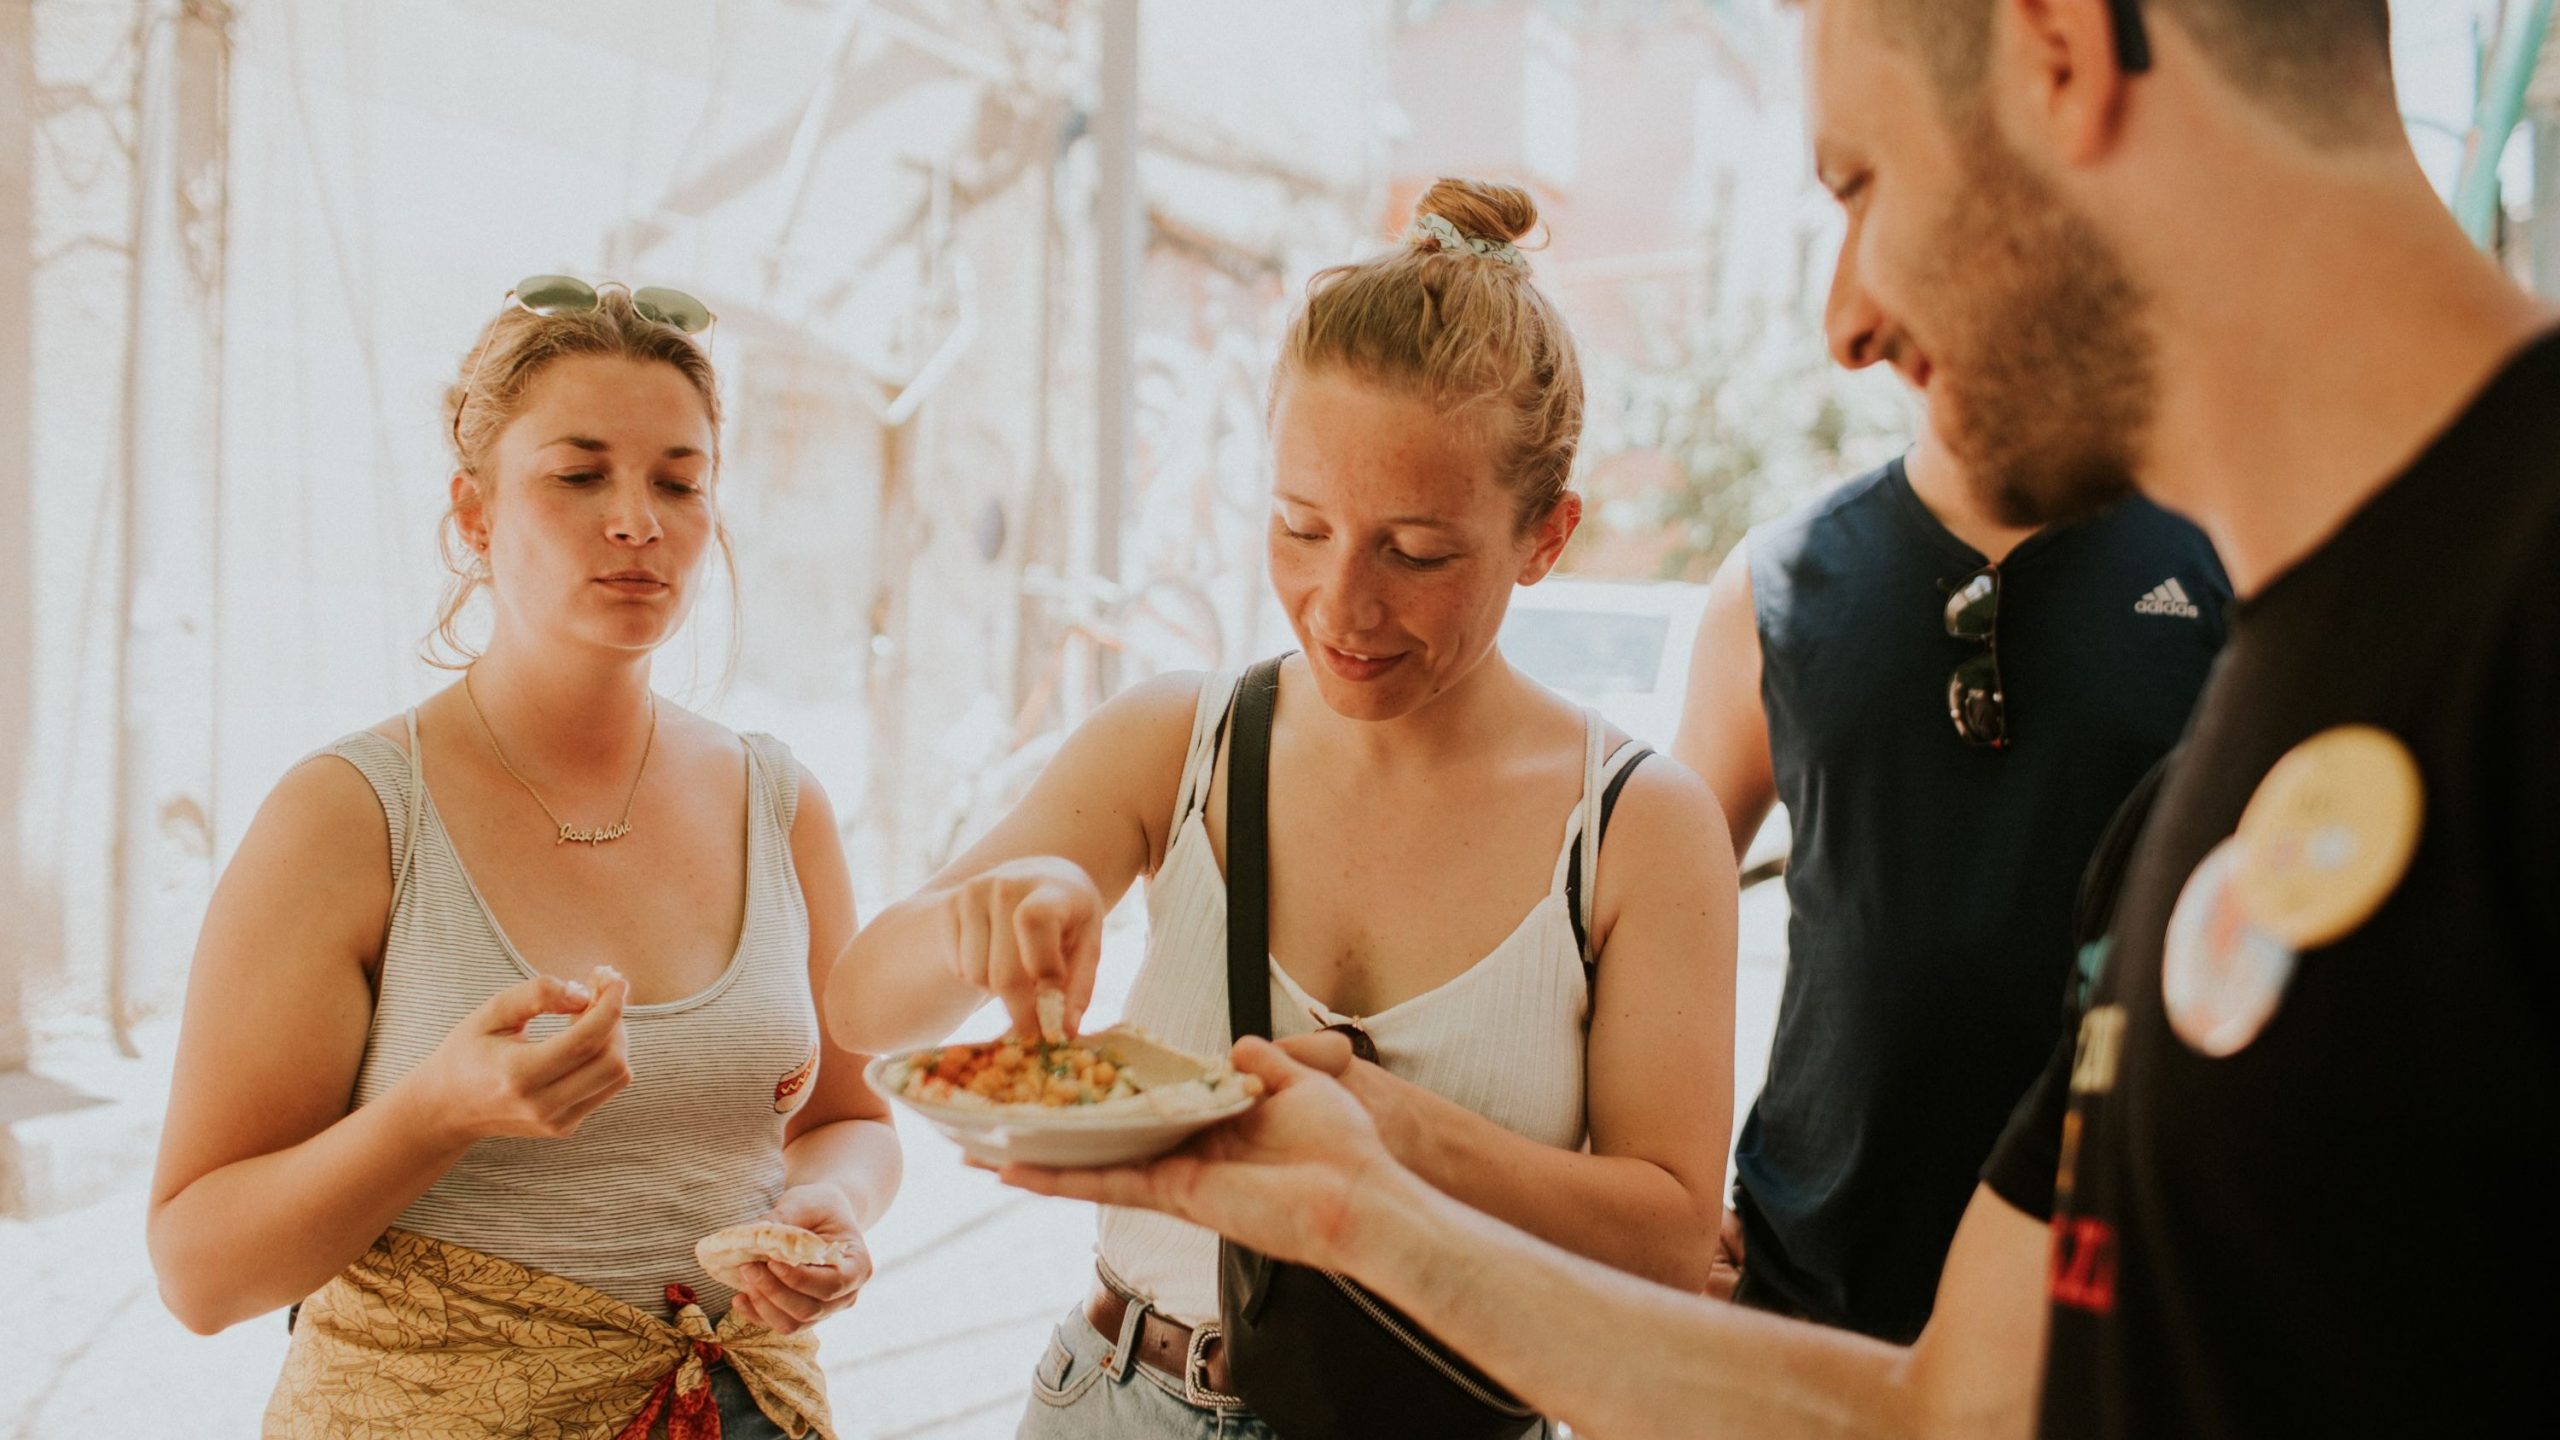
1193,1359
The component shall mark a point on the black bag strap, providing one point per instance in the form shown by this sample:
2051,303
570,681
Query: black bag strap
2093,914
1249,852
2094,911
1573,867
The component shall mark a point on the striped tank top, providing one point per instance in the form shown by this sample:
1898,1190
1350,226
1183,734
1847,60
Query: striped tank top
1504,1038
692,1145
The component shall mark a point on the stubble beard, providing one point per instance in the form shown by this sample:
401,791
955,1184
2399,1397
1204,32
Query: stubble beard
2047,370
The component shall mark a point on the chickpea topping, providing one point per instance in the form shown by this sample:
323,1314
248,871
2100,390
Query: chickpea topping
1008,1072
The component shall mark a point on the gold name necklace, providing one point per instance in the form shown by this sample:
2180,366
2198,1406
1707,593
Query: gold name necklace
570,834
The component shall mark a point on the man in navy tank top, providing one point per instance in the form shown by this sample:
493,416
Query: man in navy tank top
1950,708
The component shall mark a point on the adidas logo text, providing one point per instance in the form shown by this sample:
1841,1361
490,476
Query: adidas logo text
2168,598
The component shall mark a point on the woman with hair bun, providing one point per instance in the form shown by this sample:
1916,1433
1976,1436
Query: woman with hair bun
1547,1037
507,1002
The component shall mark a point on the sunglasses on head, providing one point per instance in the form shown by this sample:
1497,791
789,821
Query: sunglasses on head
1974,698
569,295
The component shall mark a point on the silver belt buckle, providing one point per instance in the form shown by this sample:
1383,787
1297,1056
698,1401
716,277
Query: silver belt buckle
1195,1371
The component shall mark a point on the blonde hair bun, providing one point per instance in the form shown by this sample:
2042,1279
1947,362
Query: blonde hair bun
1481,209
1438,318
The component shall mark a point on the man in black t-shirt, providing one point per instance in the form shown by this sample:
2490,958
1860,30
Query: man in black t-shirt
2305,1123
2286,1181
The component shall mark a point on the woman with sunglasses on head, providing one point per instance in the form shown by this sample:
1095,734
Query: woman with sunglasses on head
1551,1026
508,1001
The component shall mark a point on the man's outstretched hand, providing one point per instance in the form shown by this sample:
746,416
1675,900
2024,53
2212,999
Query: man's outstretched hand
1281,1178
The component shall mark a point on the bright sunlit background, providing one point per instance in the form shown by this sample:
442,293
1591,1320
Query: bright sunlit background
999,283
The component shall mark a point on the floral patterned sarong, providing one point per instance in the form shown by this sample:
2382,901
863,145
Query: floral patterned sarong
422,1340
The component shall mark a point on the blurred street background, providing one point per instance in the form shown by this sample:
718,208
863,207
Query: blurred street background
998,286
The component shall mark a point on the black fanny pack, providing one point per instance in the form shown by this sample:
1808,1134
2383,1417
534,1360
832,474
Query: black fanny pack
1313,1353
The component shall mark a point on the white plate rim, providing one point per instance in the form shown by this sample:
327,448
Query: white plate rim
1028,1117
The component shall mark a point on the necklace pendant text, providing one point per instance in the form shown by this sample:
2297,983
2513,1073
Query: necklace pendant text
572,835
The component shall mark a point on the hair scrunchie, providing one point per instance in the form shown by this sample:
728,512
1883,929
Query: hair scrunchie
1450,238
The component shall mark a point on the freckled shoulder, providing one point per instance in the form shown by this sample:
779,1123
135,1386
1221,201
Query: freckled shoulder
1137,742
1666,821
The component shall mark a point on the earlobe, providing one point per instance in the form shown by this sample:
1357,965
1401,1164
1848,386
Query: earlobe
1554,533
468,515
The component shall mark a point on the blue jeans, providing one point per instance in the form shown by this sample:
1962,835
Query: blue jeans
1075,1395
739,1417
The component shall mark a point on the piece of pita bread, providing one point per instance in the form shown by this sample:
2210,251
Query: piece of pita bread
726,1253
1053,1016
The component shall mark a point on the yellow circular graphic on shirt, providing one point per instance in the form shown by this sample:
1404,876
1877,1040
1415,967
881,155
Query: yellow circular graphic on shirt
2328,835
2221,976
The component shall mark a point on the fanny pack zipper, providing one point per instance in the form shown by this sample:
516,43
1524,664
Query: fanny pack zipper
1422,1349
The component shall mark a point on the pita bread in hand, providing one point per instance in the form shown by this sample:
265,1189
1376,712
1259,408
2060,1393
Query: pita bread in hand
727,1253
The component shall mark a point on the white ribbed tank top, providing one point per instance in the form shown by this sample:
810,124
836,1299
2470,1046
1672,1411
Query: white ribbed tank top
1504,1038
695,1142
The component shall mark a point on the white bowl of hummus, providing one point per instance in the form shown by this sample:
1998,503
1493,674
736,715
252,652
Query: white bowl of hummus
1113,1097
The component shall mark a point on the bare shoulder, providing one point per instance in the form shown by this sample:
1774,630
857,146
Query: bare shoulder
713,760
826,879
1667,819
316,862
816,838
817,813
1104,797
1729,622
1155,711
1126,761
324,812
1664,795
1138,739
1732,580
689,735
708,753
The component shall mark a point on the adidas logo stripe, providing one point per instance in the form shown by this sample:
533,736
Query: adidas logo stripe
2168,598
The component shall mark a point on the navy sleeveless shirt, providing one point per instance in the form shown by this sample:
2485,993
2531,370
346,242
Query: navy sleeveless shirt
1932,882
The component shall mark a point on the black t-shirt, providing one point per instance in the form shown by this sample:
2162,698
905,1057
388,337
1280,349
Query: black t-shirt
2325,1217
